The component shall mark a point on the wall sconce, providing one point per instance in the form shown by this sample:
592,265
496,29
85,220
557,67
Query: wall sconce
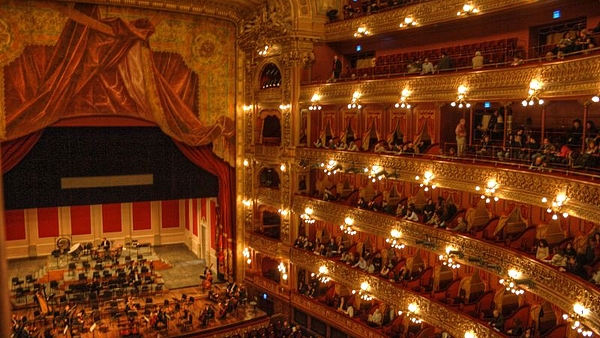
490,190
461,100
394,239
467,9
246,254
413,308
263,51
283,212
512,282
321,276
282,270
332,167
282,167
403,103
307,216
347,226
470,334
285,106
361,31
355,102
314,102
247,107
376,173
247,202
555,207
364,287
427,181
447,259
575,318
409,21
535,88
596,98
246,162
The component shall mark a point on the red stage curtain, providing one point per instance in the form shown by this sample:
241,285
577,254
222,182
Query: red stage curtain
14,151
205,159
101,67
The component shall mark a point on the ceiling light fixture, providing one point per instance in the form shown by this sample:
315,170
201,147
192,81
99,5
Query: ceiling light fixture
535,88
461,99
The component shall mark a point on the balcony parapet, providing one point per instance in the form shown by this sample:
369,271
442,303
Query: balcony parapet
269,246
576,77
268,196
430,311
523,186
272,287
333,317
557,287
428,13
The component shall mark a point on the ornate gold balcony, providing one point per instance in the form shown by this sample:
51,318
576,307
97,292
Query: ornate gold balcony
559,288
268,246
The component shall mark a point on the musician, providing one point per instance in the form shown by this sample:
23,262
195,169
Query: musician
207,284
161,317
206,314
232,288
105,244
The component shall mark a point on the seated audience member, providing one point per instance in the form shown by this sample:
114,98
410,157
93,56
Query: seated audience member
542,251
340,145
413,67
427,67
573,136
477,60
352,146
538,164
545,151
485,148
517,329
411,214
574,268
428,210
445,62
530,147
361,203
380,147
375,318
516,61
318,143
497,321
509,150
584,41
589,255
361,264
563,155
564,46
385,271
558,259
569,250
461,226
596,277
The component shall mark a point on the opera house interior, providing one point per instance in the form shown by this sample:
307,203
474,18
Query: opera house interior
300,168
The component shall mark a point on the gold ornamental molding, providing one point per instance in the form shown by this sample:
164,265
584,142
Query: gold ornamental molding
431,312
267,246
579,77
333,317
517,185
428,13
559,288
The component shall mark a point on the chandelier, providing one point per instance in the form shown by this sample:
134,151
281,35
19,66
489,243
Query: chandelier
246,254
556,206
512,282
532,95
575,320
411,313
403,103
362,293
467,9
332,167
409,21
307,216
361,31
263,51
394,239
347,226
447,259
314,102
355,102
427,181
461,101
489,191
321,276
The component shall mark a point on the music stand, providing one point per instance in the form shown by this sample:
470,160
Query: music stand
93,330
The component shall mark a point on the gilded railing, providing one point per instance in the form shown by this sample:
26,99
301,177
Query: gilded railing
523,186
559,288
429,311
268,245
576,77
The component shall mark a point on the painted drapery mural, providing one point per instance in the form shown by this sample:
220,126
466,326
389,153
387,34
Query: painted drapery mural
60,61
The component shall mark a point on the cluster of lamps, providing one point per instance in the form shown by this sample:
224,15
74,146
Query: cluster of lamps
263,51
461,99
532,95
403,103
512,282
247,202
347,226
394,239
467,9
332,167
314,102
411,313
283,212
470,334
409,21
282,270
376,173
355,102
489,191
556,205
575,320
596,98
427,181
447,259
307,216
321,276
361,31
362,293
246,254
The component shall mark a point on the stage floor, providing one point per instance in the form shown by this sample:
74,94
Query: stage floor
178,268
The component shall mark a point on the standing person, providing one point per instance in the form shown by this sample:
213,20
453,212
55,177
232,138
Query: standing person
461,137
337,68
